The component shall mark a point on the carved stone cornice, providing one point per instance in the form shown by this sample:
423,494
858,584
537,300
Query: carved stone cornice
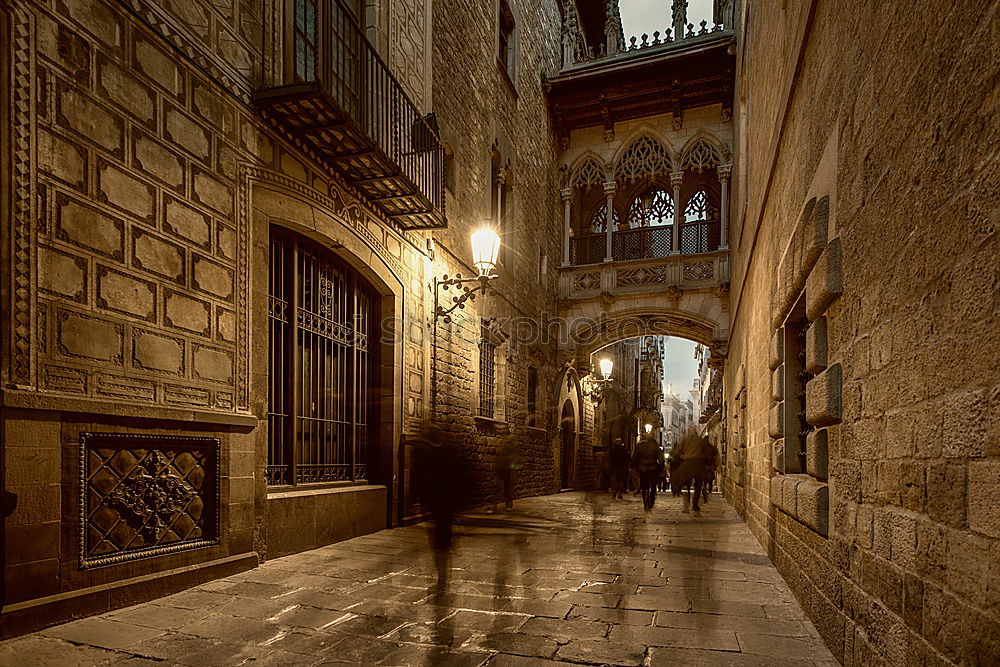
566,194
610,188
724,171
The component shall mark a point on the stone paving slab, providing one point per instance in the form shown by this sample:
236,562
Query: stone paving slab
574,578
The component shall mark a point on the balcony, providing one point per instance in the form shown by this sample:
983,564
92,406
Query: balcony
644,243
344,106
668,276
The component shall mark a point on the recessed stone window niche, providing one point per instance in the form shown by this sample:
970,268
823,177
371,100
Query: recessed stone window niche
806,383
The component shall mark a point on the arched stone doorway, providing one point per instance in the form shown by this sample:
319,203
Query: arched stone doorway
567,457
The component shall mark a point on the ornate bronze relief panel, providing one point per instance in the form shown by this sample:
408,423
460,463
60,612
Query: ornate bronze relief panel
146,495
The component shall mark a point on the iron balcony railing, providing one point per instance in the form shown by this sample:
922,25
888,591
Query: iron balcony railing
344,103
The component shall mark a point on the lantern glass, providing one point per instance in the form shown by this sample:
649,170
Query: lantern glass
606,367
649,428
485,248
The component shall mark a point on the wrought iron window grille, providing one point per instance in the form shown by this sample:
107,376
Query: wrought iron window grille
321,380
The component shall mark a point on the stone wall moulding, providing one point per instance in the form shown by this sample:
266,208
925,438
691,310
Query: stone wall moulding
21,370
146,495
342,207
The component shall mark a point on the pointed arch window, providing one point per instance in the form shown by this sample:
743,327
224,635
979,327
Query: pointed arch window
700,208
652,208
600,219
699,231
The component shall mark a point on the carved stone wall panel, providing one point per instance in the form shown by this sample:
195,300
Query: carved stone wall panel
146,495
128,210
132,174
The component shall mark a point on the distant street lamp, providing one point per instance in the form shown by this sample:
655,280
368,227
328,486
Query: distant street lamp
485,248
594,389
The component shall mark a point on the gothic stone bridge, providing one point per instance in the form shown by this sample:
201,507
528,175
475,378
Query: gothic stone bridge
678,295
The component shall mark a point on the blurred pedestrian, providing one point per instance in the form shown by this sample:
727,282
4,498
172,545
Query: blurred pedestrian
662,484
647,460
506,463
619,468
711,469
691,456
442,482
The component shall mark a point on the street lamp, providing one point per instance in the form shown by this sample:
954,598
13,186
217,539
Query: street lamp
594,389
485,248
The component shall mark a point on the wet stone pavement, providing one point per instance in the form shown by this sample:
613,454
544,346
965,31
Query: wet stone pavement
571,578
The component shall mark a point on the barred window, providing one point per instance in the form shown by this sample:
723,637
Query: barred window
321,383
487,373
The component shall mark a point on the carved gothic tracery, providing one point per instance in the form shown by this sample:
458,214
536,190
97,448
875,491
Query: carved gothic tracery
646,157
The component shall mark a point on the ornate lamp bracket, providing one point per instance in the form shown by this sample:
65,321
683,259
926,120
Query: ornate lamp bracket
467,288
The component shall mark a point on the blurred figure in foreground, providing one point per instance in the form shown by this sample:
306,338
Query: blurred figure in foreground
648,462
618,462
442,482
504,467
692,456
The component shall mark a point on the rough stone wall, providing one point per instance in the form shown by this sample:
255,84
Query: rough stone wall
899,273
478,106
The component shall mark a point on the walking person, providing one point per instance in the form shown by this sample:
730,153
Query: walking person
648,462
504,466
691,456
662,483
442,483
710,471
618,460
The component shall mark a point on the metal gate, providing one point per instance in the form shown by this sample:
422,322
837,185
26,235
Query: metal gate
321,379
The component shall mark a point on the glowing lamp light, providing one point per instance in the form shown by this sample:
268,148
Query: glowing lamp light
606,367
649,428
485,248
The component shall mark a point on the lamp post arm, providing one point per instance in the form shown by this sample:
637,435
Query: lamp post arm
467,294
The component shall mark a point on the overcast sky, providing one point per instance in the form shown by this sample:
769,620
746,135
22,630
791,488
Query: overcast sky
645,16
680,368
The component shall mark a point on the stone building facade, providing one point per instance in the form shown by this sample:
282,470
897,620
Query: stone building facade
860,405
148,190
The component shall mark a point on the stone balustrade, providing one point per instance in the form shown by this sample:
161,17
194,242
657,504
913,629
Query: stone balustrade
667,274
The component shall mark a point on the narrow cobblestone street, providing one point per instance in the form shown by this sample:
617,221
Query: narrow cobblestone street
576,578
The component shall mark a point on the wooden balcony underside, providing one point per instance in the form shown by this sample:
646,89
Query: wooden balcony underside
308,113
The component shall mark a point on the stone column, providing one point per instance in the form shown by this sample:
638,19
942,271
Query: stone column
567,198
501,222
676,178
679,10
609,224
724,170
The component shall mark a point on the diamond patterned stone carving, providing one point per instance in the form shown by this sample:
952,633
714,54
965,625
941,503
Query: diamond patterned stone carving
586,281
146,495
651,275
699,271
